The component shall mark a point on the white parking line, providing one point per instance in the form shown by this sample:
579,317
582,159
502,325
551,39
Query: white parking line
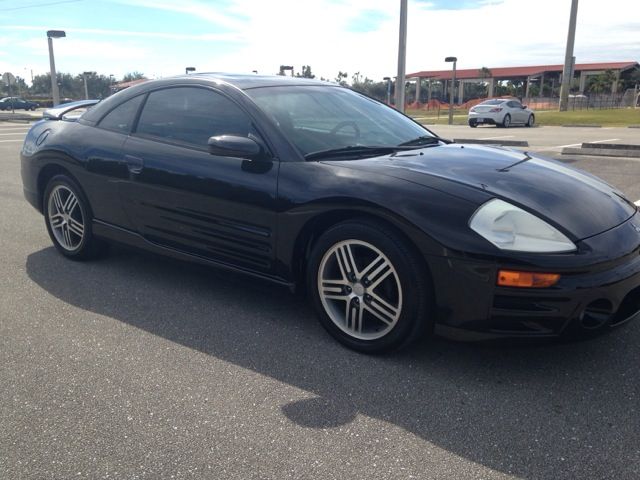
14,134
563,146
496,138
9,141
578,144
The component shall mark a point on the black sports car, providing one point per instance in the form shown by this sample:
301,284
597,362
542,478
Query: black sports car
393,231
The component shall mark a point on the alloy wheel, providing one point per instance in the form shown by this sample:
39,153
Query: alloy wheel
66,218
360,289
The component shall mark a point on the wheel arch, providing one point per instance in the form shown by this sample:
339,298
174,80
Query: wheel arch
314,227
47,172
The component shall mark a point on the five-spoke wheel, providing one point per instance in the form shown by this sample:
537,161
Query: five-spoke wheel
68,218
370,288
65,217
360,289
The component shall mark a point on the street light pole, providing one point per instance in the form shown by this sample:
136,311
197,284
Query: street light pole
388,80
402,57
86,88
55,93
452,86
567,71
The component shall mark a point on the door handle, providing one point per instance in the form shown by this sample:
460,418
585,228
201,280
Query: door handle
134,164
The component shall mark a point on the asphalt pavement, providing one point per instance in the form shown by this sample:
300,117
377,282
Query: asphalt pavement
135,366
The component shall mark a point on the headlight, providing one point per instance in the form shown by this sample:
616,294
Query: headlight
511,228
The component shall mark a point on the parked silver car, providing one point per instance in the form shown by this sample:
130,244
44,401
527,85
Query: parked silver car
501,112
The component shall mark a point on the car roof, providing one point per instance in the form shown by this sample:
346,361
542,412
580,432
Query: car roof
239,81
246,81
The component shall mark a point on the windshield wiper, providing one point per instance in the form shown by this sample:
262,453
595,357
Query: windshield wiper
353,150
422,140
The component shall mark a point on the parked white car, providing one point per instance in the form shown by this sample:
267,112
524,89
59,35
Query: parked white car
501,112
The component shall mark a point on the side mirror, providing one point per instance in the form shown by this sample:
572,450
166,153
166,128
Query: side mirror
234,146
524,106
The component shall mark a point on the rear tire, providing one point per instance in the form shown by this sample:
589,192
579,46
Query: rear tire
473,124
68,218
369,288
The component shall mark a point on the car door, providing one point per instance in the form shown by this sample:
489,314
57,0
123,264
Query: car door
181,196
104,160
517,112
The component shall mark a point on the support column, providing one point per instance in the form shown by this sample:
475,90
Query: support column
614,84
445,91
541,92
461,91
526,91
492,87
583,81
418,81
429,91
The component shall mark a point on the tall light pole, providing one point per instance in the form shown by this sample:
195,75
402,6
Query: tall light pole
388,80
452,86
86,88
567,71
402,56
55,93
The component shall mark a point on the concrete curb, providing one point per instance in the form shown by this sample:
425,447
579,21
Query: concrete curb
602,152
583,125
18,117
504,143
633,126
612,146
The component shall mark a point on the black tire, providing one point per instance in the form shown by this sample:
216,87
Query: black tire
87,246
414,308
531,121
473,124
506,121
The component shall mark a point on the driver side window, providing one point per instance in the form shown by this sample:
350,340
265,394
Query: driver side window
190,115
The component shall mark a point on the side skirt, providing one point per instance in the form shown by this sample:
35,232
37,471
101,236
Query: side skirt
116,234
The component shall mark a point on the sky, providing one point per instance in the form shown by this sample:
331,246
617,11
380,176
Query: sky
161,37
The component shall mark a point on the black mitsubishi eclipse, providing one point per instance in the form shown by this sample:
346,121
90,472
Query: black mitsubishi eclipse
392,231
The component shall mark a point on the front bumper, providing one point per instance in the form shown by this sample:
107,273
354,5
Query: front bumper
590,298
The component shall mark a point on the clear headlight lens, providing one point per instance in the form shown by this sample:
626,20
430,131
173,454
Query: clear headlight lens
511,228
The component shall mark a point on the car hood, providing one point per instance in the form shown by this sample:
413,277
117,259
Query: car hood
577,203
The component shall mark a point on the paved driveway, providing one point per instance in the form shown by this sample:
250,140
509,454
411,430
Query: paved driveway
139,367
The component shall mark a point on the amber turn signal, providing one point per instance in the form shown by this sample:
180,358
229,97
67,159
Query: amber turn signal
510,278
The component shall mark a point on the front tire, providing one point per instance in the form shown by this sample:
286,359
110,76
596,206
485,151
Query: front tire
506,121
473,124
531,121
369,288
68,219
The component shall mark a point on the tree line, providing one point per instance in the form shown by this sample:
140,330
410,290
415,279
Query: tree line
70,86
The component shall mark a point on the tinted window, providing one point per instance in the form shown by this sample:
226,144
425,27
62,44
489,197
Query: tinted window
492,102
316,118
122,117
191,115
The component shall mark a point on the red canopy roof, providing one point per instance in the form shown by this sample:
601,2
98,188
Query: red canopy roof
510,72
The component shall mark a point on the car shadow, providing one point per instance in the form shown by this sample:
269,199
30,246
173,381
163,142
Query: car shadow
557,411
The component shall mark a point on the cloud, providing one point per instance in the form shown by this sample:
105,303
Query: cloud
226,37
217,14
347,35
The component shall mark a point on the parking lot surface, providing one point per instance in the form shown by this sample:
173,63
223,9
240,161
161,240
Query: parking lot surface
135,366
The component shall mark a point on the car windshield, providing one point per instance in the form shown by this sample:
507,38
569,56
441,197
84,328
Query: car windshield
324,118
